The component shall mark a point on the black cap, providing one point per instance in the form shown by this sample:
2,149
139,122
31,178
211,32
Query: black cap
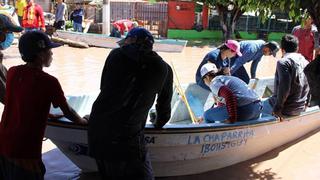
6,23
139,33
273,46
33,42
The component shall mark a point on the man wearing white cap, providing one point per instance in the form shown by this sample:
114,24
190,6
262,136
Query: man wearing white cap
219,57
236,102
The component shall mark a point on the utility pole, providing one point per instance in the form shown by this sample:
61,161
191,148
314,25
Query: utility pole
106,17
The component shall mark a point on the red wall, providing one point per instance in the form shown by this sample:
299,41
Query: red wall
205,16
181,15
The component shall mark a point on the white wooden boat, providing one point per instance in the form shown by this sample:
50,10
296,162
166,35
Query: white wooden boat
183,148
102,40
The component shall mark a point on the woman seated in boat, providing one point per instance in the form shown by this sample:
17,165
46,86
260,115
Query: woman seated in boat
235,101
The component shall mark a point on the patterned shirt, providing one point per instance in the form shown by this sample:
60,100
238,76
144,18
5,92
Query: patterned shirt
33,16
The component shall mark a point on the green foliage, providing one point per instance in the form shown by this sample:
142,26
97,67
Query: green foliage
69,25
264,8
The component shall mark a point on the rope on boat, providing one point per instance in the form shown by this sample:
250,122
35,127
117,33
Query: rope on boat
183,95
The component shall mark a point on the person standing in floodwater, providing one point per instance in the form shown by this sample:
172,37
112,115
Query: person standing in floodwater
7,27
29,95
61,10
33,18
131,79
76,17
308,37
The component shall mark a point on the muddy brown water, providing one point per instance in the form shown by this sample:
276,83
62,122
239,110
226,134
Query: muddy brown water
79,71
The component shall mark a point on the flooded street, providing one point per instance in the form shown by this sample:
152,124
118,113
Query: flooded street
79,72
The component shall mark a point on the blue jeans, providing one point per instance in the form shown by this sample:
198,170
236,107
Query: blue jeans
267,108
242,74
115,33
77,27
31,29
253,68
248,112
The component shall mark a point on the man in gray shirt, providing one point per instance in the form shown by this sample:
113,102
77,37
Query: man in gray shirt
291,87
61,9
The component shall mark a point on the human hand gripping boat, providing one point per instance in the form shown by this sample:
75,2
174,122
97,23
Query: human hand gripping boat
182,147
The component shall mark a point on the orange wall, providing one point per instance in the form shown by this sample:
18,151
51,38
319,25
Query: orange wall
181,15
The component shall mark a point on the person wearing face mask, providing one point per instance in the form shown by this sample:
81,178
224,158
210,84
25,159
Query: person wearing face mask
220,57
7,27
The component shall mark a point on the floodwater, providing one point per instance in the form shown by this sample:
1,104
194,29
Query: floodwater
79,71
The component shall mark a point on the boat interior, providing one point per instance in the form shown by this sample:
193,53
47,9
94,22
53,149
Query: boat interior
199,101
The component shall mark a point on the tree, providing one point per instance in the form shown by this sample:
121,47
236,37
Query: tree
295,8
230,11
312,7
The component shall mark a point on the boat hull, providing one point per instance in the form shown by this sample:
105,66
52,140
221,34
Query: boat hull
192,149
102,40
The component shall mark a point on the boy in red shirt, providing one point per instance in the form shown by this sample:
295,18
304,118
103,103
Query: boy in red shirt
29,94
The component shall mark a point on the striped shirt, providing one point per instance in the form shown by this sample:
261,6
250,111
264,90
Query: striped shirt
233,92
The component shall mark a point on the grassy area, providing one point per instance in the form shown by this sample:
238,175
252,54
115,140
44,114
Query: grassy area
193,34
204,42
275,36
213,38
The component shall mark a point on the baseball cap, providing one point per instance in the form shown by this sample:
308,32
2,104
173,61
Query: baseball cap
206,68
273,46
32,42
6,23
139,33
234,46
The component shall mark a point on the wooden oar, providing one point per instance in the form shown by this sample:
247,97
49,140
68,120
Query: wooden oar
183,96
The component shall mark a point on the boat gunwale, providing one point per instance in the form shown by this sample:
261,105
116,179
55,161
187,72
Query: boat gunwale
192,128
172,130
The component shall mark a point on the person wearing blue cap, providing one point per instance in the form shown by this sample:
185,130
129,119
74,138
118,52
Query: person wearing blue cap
133,76
252,51
7,27
29,95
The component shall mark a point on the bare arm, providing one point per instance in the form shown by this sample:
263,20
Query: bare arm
71,114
